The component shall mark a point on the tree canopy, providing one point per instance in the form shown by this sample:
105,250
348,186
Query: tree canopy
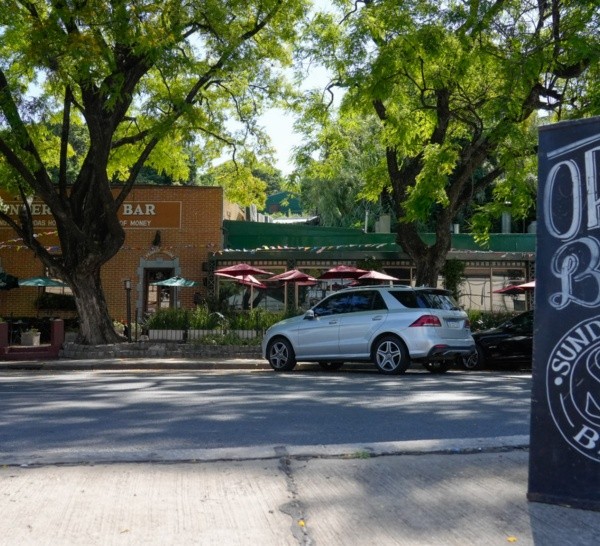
92,91
458,89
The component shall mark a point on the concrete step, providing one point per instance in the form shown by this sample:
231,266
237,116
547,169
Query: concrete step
29,352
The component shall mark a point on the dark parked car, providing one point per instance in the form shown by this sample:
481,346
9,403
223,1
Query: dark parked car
510,344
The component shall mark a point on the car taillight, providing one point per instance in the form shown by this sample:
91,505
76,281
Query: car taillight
427,320
467,323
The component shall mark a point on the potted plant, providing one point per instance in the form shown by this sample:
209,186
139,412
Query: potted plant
167,324
30,337
119,327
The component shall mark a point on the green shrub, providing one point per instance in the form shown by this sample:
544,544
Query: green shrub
256,319
202,318
483,320
454,275
170,318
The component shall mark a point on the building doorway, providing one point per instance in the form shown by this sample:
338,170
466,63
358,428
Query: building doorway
157,297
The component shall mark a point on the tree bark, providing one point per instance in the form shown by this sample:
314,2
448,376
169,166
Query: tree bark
95,324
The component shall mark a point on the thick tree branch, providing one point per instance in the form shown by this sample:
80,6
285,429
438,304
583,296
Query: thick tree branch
64,143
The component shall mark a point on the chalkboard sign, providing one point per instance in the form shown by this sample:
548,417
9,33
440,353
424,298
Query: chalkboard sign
564,462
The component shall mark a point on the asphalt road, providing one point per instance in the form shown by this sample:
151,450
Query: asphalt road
98,414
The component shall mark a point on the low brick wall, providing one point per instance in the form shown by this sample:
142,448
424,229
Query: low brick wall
151,349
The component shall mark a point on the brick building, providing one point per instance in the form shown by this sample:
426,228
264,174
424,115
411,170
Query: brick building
170,230
190,231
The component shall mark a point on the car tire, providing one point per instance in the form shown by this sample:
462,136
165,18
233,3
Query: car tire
390,355
474,361
280,355
437,366
331,366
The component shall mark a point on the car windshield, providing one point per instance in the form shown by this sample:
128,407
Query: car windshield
522,322
425,299
349,302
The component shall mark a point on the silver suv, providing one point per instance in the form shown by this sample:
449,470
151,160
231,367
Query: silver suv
388,325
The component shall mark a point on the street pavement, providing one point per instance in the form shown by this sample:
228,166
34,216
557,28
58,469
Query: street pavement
431,492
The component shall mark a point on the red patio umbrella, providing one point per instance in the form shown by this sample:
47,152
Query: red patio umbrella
291,275
251,281
343,272
377,276
241,269
246,280
510,290
299,278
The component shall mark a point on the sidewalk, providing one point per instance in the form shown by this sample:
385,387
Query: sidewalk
435,499
459,492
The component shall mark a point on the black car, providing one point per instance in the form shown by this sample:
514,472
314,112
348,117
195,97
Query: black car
510,344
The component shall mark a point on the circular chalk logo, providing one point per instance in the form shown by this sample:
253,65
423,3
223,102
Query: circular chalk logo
573,387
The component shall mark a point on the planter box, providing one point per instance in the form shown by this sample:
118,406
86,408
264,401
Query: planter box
30,338
244,334
195,333
166,335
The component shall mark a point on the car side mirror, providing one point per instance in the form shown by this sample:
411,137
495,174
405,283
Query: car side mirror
309,315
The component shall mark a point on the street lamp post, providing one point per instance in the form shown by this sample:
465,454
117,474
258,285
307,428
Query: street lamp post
127,284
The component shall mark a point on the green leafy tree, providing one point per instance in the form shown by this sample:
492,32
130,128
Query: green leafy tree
132,80
271,176
457,87
345,183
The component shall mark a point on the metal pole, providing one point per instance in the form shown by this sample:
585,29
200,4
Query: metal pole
128,292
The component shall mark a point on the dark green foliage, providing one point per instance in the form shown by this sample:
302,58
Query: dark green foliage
453,272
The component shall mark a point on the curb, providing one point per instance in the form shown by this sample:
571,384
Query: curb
125,364
333,451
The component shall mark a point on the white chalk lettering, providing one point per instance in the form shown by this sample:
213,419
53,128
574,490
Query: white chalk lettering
549,190
587,437
593,200
577,262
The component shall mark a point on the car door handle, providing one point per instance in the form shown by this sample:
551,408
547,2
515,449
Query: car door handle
377,317
333,322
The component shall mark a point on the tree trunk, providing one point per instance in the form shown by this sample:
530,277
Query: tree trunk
95,324
429,259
